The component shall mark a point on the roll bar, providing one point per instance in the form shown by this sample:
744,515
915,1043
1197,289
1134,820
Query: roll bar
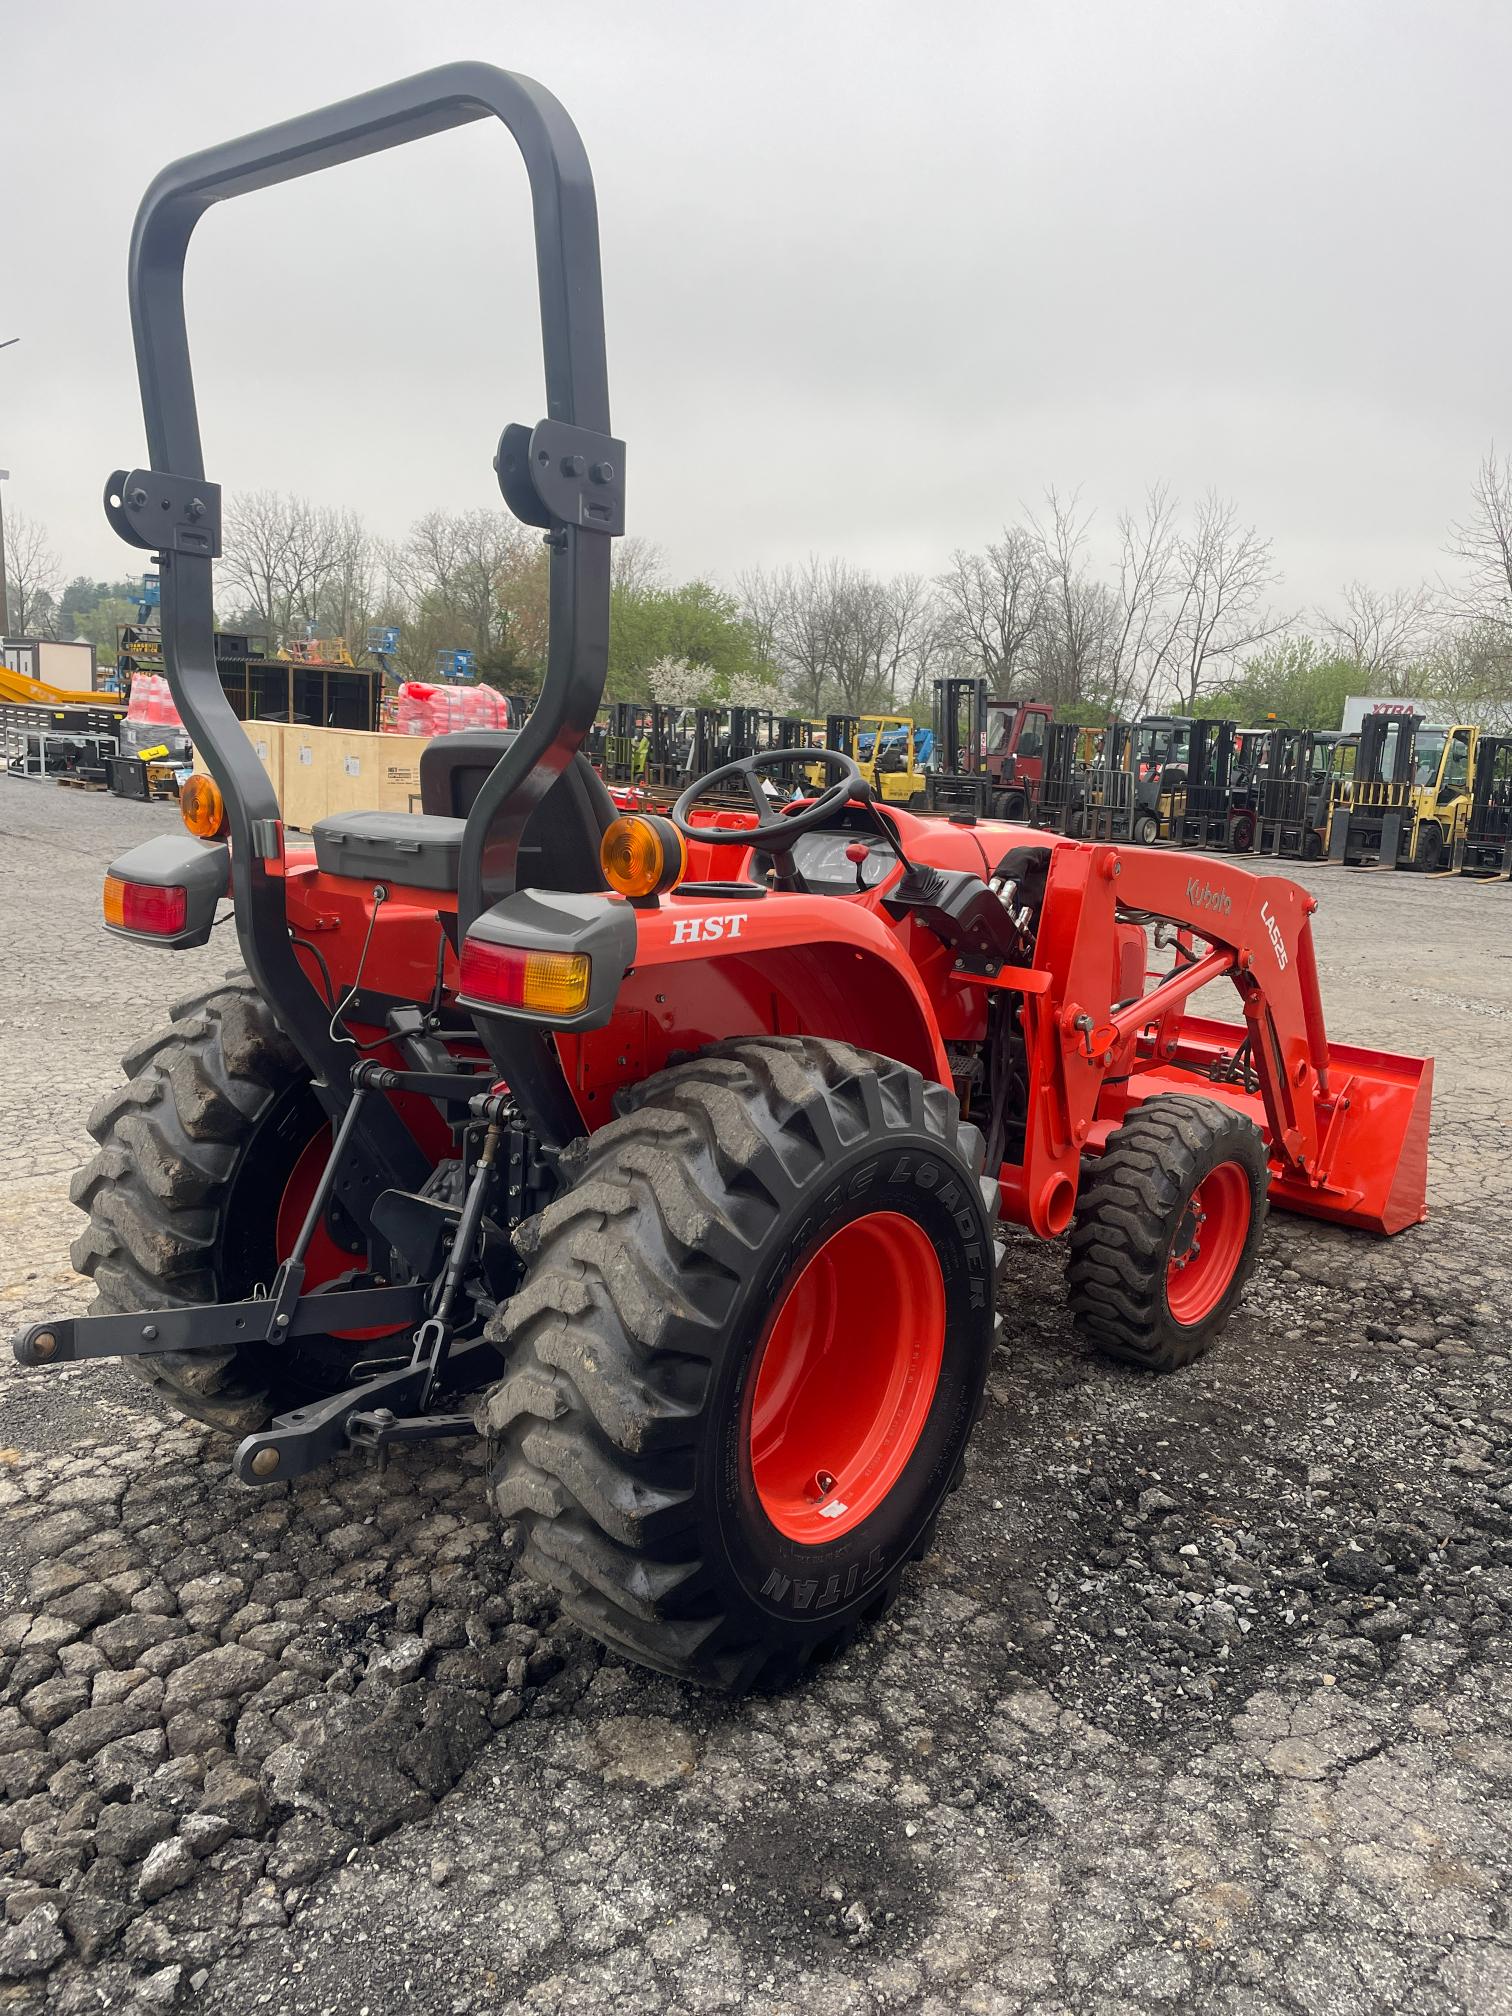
565,475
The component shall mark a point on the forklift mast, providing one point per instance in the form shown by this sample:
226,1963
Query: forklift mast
961,726
1388,749
1486,849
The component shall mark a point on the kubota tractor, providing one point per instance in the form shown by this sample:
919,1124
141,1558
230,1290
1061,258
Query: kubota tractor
667,1154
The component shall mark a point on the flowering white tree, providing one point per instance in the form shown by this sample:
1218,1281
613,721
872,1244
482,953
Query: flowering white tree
674,682
745,689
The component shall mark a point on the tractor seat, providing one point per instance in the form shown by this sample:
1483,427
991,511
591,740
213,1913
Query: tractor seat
423,850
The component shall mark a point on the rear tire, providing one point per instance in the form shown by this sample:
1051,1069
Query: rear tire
644,1440
1168,1231
195,1152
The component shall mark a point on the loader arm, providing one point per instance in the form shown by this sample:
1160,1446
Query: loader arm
1346,1128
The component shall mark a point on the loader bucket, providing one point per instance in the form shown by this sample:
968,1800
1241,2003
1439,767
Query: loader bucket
1374,1157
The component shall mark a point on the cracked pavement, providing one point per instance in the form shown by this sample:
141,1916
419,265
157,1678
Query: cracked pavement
1198,1705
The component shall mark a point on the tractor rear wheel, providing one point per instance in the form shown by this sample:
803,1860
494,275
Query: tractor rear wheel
746,1356
1167,1231
208,1158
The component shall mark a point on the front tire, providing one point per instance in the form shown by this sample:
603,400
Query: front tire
746,1357
1146,829
1430,847
1167,1231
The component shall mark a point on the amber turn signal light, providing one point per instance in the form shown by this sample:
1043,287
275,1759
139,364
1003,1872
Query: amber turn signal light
202,808
642,855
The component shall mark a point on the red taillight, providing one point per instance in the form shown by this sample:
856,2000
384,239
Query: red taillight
145,906
509,976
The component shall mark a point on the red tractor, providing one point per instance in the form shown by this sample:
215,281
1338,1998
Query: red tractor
667,1154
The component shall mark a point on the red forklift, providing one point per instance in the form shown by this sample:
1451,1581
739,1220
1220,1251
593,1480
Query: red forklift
989,754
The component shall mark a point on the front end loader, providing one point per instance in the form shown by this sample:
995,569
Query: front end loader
669,1154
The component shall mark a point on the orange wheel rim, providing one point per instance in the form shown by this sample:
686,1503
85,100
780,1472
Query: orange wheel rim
845,1378
1208,1244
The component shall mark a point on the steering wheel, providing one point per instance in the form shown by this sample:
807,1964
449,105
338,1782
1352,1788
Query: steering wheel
773,830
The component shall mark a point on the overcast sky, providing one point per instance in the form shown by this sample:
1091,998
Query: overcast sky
876,275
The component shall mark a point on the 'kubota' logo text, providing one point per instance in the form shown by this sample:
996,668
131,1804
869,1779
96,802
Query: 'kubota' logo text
699,930
1203,896
1278,945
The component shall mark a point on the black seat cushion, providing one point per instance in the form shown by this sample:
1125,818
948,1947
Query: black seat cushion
422,850
560,847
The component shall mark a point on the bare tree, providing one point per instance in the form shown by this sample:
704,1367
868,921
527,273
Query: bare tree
1384,634
763,598
995,601
843,637
33,577
637,564
1483,544
458,564
1153,599
802,615
255,539
870,621
295,565
343,589
920,641
1225,569
1075,655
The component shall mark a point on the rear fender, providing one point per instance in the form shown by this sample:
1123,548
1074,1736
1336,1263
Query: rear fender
755,963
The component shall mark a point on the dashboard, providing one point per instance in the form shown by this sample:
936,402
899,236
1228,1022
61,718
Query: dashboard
819,858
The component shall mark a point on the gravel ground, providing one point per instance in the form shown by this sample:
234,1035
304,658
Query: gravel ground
1198,1706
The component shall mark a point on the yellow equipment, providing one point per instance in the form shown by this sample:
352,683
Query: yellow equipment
894,773
16,690
1443,778
1408,803
315,651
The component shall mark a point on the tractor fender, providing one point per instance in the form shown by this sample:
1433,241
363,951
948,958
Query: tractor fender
733,960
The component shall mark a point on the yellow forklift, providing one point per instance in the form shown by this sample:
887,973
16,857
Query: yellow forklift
892,752
1409,801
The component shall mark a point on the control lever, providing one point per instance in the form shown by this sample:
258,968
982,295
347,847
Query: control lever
865,795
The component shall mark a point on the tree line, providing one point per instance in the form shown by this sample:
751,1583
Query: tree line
1179,609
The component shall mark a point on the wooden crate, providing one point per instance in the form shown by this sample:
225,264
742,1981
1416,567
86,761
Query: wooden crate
319,771
266,738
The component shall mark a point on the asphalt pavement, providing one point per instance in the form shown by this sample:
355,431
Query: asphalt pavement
1199,1704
